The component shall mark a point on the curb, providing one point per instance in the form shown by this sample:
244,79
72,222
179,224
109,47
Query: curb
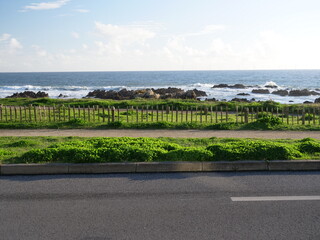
154,167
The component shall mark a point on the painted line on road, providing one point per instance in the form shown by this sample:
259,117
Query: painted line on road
275,198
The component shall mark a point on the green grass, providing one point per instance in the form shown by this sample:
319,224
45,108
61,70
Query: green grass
144,102
125,149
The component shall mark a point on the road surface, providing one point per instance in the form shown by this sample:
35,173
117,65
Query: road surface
255,205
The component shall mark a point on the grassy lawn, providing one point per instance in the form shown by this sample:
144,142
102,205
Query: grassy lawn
90,150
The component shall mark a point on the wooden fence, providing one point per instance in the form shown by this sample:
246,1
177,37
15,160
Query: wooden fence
202,114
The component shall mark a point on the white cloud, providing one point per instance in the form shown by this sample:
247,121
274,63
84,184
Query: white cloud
75,35
46,5
15,44
81,10
118,38
39,51
5,37
9,44
209,29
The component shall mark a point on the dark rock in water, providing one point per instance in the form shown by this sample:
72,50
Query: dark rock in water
243,94
291,101
304,92
252,100
281,92
240,100
62,96
103,94
317,100
162,93
29,94
238,86
307,102
221,86
270,86
211,100
317,89
200,93
261,91
169,90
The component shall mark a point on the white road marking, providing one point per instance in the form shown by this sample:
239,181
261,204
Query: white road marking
275,198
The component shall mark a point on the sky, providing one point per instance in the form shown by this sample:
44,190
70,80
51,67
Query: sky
148,35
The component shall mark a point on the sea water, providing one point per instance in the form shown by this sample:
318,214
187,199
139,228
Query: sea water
79,84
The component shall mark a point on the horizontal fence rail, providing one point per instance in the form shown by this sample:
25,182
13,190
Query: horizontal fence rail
134,114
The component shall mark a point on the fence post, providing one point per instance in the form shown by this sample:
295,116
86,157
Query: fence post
113,114
10,110
237,112
303,116
246,115
137,114
157,109
20,110
227,114
35,113
1,112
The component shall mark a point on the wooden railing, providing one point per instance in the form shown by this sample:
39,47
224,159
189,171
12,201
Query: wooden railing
203,114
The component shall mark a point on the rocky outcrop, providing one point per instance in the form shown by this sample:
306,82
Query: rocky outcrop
240,100
243,94
221,86
304,92
281,92
236,86
199,93
270,86
317,100
162,93
29,94
261,91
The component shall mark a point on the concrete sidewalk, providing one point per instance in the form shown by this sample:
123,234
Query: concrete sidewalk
160,133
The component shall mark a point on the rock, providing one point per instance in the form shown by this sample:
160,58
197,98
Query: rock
200,93
238,86
304,92
162,93
190,94
281,92
291,101
252,100
62,96
243,94
270,86
211,100
240,100
317,100
261,91
29,94
221,86
307,102
151,94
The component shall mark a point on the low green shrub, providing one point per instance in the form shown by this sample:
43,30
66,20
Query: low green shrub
253,150
22,143
309,147
4,152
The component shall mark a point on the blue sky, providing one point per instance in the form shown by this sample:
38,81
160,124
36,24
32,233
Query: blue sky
124,35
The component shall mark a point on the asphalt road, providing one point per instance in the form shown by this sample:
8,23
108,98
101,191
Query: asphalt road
194,133
161,206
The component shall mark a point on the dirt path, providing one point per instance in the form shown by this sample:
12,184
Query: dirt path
160,133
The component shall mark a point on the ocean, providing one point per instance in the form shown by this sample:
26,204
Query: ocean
78,84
